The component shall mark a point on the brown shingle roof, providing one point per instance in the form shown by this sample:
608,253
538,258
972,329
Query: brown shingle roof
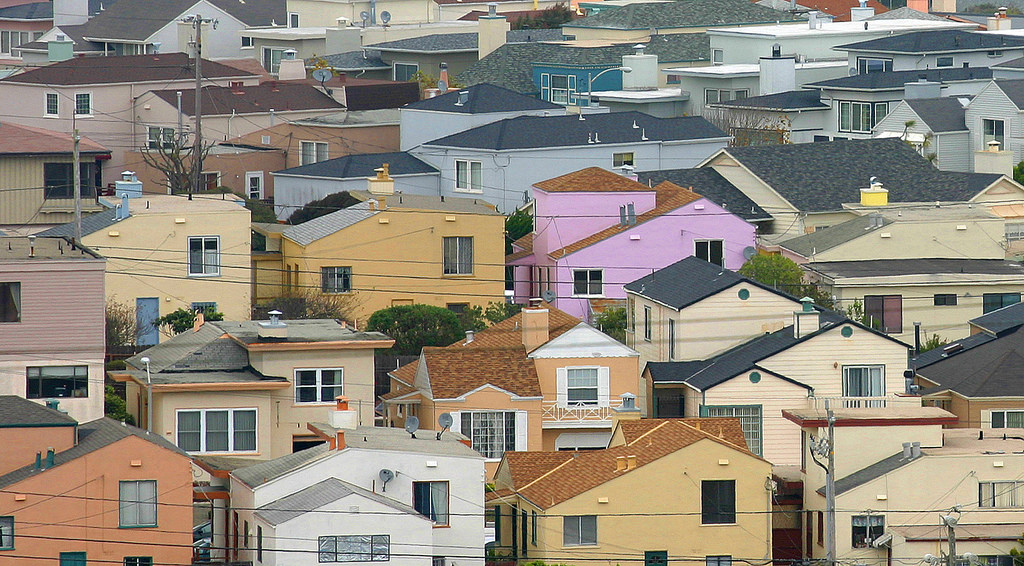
406,373
16,139
123,69
726,429
280,97
668,198
401,391
591,180
549,478
455,372
509,334
525,248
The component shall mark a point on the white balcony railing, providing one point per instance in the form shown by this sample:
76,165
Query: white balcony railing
579,414
853,402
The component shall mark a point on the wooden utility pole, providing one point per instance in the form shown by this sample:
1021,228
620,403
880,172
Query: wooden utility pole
197,142
76,176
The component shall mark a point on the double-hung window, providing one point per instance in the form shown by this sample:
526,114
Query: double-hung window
992,130
711,251
492,433
52,104
1007,419
11,40
717,502
458,255
335,279
587,283
864,381
320,385
57,381
884,312
203,255
7,533
158,137
995,301
312,152
83,104
217,430
563,89
579,530
405,71
354,548
750,421
469,176
866,528
430,499
137,503
582,386
10,301
1000,494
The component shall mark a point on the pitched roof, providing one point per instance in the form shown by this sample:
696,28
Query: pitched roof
906,13
90,223
896,80
549,478
92,436
921,266
935,41
1001,320
840,9
534,132
712,186
140,19
123,69
511,65
681,14
16,139
483,98
268,470
32,11
874,471
363,165
991,368
780,101
364,94
508,333
945,114
729,430
525,245
358,60
319,495
433,43
690,280
1013,89
323,226
455,372
18,412
591,180
279,97
206,349
821,176
938,354
823,240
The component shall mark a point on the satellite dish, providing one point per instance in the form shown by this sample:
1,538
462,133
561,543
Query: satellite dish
442,86
749,252
385,475
322,75
412,424
549,296
385,17
445,420
365,16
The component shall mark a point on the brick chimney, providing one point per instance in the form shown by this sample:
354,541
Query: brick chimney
535,325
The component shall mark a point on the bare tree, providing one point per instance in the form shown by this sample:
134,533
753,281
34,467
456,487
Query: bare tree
750,127
309,304
175,158
120,324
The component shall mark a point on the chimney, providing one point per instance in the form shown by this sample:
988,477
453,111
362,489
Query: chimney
814,19
491,30
627,171
339,442
382,184
39,461
49,457
630,462
777,73
944,6
70,12
627,411
922,88
993,160
915,450
805,320
535,325
874,195
186,36
620,463
342,417
643,70
273,328
858,13
291,69
998,21
200,320
919,5
470,335
60,49
906,451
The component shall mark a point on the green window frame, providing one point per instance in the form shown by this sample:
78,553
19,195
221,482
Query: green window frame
7,533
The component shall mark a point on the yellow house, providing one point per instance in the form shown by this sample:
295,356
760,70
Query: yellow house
249,389
540,380
664,491
166,252
390,249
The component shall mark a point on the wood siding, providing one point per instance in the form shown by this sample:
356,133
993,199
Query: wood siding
992,104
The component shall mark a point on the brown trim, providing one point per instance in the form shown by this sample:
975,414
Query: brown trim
215,472
881,421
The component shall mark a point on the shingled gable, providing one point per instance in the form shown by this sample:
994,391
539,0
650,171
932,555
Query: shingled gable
161,67
691,279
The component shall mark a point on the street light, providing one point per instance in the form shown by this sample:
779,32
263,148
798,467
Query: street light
149,395
590,80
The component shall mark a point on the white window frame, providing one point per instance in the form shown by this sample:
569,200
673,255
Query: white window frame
456,266
481,437
990,493
318,386
136,505
881,382
938,58
717,56
334,290
204,265
293,19
1005,414
603,374
231,430
46,105
469,176
1014,231
91,108
164,136
316,147
9,36
247,42
860,107
273,68
249,176
647,323
394,69
374,543
986,137
565,95
869,529
589,283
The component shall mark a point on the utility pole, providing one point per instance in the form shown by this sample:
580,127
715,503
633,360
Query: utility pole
76,176
950,521
824,447
197,22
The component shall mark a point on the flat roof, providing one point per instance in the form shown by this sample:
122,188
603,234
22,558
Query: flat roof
745,69
840,28
15,248
667,94
964,441
285,33
892,415
159,204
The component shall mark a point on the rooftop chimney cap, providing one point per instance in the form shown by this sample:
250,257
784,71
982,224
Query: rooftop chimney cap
639,48
492,8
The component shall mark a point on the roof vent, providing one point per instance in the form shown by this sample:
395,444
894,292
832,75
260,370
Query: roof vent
953,348
463,98
273,328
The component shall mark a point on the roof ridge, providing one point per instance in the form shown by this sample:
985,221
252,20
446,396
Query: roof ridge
637,439
547,473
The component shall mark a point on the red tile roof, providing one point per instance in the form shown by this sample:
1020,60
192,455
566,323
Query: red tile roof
16,139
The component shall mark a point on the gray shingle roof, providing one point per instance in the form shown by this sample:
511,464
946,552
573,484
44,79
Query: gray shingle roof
991,368
681,14
1001,320
781,101
897,267
711,185
895,80
309,330
252,99
483,98
323,226
18,412
905,13
33,11
935,41
1014,90
363,165
321,494
532,132
361,59
938,354
92,436
690,280
90,223
195,351
1012,64
828,238
940,114
123,69
874,471
259,474
433,43
821,176
530,35
140,19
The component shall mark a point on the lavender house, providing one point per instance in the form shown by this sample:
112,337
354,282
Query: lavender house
595,230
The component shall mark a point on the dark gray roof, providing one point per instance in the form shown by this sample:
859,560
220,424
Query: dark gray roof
321,494
511,65
530,35
1011,64
828,238
308,330
673,372
259,474
1014,90
905,13
781,101
92,436
895,267
206,376
821,176
690,280
711,185
935,41
433,43
18,412
940,114
204,350
874,471
991,368
532,132
895,80
681,14
354,60
140,19
483,98
938,354
363,165
90,223
34,11
1001,320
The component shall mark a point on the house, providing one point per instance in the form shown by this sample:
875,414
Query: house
935,125
97,95
22,23
993,112
442,252
464,109
540,380
481,161
243,168
38,163
378,492
97,492
844,10
932,49
167,252
51,340
583,252
549,504
263,380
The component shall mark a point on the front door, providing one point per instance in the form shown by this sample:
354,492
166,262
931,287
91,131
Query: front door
72,559
147,310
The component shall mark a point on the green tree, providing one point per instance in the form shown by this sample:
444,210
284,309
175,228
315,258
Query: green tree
115,407
415,326
478,318
517,225
991,9
548,18
261,211
1018,555
1018,175
317,208
612,322
785,275
182,319
932,342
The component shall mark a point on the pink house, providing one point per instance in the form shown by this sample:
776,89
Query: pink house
595,231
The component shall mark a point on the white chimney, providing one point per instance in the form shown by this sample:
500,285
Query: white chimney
778,73
998,21
993,159
342,416
643,74
806,320
292,68
862,12
273,328
491,31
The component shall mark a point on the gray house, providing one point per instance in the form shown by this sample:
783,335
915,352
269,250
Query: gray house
933,49
995,115
935,127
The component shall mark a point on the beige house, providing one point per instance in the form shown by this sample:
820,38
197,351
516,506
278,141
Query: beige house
702,495
250,388
168,252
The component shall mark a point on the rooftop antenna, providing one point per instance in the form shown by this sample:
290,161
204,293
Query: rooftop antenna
445,420
385,475
412,424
